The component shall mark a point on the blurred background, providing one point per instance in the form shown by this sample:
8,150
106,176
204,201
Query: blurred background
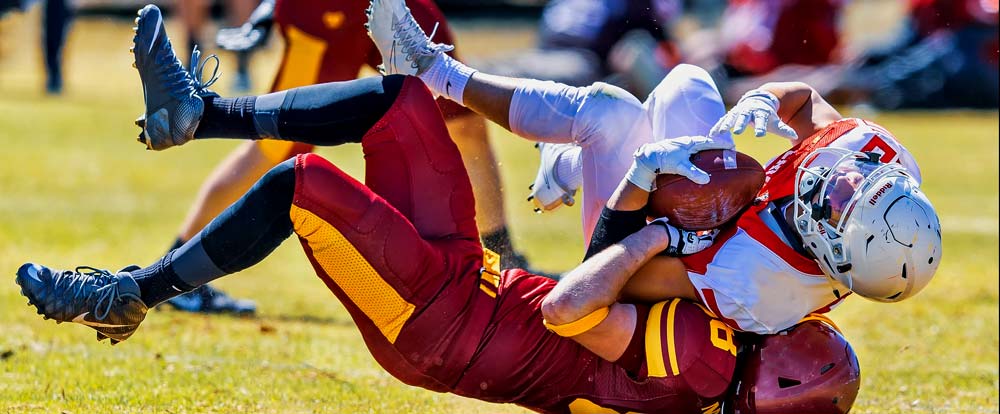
75,187
887,54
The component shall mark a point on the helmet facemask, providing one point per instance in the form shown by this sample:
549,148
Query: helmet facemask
825,199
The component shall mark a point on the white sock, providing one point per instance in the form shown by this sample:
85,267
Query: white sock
447,76
569,168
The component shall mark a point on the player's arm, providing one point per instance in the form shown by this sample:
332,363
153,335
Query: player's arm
793,110
584,304
662,277
802,108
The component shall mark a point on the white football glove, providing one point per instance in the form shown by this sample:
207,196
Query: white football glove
685,242
670,156
759,107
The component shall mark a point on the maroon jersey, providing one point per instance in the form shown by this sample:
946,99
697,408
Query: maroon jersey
680,360
435,311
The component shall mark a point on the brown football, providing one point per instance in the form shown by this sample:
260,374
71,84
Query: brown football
736,179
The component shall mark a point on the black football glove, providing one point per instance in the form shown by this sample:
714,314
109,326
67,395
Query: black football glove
251,34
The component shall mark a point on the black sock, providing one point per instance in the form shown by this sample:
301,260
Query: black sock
158,282
498,241
228,118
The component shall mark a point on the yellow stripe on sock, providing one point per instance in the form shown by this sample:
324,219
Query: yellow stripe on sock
349,270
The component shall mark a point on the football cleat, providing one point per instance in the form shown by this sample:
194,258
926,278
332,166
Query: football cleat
547,192
206,299
405,49
173,94
108,303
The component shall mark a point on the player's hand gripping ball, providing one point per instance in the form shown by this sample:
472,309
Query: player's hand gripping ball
735,179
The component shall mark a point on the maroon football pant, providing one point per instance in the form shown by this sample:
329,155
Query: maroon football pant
401,251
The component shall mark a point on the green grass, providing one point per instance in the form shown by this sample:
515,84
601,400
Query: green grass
76,189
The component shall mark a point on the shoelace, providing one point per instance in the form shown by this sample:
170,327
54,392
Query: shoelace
77,281
180,81
198,71
410,35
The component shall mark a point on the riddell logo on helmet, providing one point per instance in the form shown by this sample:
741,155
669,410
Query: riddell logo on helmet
879,193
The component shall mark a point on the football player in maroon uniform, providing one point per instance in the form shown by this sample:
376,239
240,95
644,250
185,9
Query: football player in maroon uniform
325,41
432,305
840,212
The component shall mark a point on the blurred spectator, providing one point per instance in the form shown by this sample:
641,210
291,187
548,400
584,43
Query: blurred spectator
576,39
56,19
946,57
758,36
757,41
194,14
10,5
56,16
628,43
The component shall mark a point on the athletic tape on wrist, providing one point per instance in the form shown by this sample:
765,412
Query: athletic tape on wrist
763,94
581,325
641,177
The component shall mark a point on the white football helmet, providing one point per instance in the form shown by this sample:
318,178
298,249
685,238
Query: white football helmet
867,223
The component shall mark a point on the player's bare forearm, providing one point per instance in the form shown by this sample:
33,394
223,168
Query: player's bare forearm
597,282
802,108
660,278
628,197
490,96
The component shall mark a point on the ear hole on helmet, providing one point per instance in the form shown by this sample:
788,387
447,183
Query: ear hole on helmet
930,260
826,368
788,382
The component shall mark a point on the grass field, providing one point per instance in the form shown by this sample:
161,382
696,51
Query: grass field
75,188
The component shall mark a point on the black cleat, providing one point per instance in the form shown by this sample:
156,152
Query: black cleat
109,303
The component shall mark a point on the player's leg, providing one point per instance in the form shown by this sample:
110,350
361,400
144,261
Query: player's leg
685,103
194,14
470,134
56,19
371,251
227,182
237,12
369,245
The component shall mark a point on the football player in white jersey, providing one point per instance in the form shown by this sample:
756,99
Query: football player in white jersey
840,211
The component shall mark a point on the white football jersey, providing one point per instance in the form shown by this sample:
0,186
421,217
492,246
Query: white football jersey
755,281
